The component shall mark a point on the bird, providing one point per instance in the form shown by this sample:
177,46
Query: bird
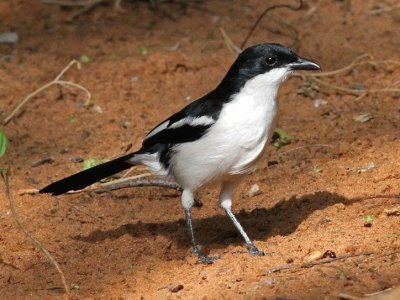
217,138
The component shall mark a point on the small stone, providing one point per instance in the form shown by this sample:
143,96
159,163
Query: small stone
76,159
254,190
272,162
64,150
329,254
33,181
358,87
97,109
134,79
319,102
46,160
176,288
9,37
126,124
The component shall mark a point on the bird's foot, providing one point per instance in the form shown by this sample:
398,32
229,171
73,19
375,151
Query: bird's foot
207,260
255,252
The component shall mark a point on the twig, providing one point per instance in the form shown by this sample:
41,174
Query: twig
384,9
356,62
353,91
378,292
388,196
66,2
314,263
344,69
343,296
262,15
295,32
56,80
235,50
329,260
134,181
33,239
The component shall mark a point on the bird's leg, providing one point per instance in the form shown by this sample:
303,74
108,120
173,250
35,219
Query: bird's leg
187,202
250,245
226,203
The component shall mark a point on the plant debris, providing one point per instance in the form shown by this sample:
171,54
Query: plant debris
312,256
46,160
280,138
394,211
363,118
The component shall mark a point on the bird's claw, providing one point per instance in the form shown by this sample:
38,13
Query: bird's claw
207,260
255,252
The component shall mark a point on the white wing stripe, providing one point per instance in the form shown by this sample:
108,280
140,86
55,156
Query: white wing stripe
159,128
202,121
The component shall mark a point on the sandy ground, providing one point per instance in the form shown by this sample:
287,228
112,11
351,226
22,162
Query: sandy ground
148,62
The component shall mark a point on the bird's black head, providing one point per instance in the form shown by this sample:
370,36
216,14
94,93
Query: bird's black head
273,61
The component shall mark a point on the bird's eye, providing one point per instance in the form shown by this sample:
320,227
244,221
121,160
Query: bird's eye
270,60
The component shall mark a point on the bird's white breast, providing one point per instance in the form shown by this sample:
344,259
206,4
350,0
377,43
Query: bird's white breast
237,139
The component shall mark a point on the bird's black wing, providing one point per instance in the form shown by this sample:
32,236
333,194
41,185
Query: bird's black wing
187,125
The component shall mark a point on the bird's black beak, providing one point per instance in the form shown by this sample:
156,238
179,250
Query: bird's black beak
304,64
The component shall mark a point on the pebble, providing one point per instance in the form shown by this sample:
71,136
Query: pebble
254,190
9,37
319,102
46,160
76,159
176,288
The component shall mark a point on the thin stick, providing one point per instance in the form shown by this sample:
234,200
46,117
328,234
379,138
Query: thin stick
33,239
235,50
329,260
345,68
260,17
384,9
343,296
378,292
66,3
134,181
56,80
356,92
353,64
356,62
314,263
388,196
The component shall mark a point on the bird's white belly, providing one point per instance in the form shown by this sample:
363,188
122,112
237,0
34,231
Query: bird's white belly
230,147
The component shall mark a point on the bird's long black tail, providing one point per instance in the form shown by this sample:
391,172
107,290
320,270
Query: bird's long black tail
87,177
